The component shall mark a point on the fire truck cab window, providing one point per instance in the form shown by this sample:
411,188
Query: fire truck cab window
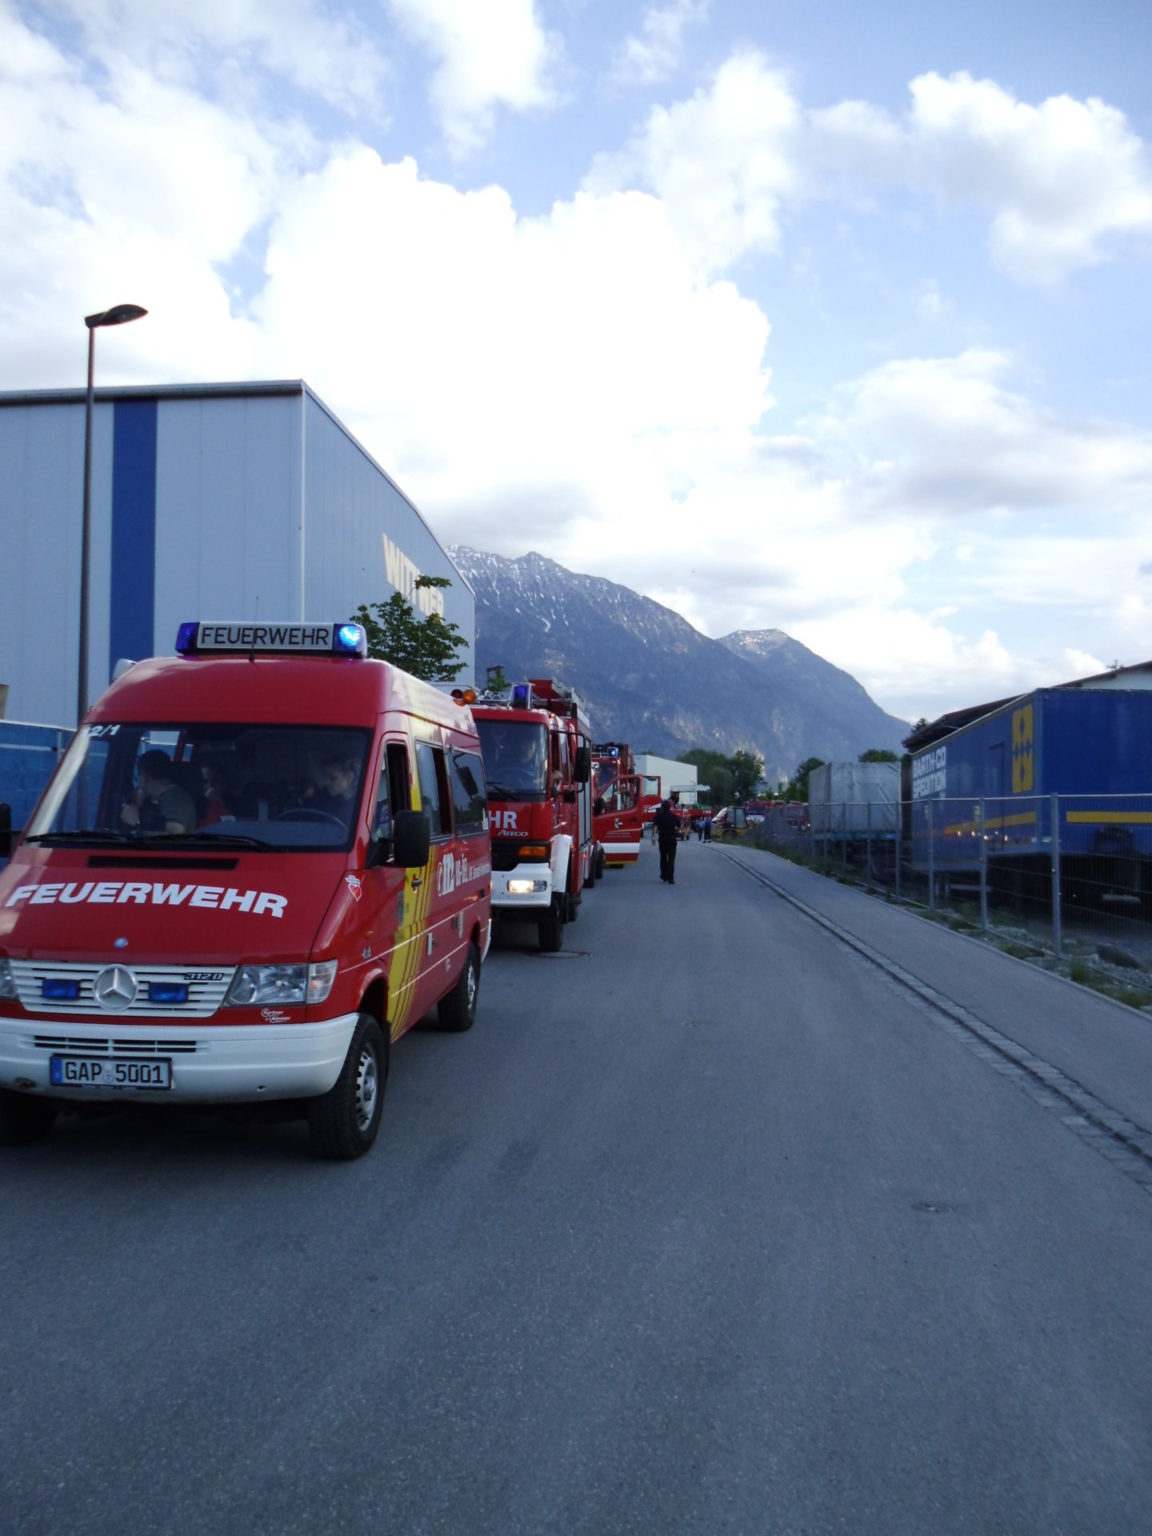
560,762
515,758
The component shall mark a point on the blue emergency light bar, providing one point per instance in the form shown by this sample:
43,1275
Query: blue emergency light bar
340,639
522,696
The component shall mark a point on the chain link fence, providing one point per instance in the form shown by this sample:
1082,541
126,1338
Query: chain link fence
1069,873
28,754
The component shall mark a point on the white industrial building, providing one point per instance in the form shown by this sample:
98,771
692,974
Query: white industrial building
237,501
675,778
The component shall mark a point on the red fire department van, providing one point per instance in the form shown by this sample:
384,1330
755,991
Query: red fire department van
537,762
625,801
259,862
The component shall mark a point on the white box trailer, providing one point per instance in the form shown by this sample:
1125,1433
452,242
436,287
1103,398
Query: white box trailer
854,800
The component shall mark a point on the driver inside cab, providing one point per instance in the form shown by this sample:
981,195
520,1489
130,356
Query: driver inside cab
336,792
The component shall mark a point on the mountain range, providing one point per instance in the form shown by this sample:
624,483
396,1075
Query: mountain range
650,679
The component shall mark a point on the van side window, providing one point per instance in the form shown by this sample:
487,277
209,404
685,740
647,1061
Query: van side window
399,777
392,793
382,818
435,800
466,772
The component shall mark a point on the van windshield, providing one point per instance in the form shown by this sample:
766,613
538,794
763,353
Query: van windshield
515,756
268,786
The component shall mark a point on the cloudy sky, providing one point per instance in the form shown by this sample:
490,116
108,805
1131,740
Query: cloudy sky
829,317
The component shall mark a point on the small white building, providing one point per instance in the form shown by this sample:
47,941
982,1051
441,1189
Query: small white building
234,501
679,778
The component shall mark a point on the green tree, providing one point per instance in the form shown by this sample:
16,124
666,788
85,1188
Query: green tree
747,770
496,681
713,769
798,784
425,647
878,755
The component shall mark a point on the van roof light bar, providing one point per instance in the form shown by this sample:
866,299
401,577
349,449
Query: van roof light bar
200,638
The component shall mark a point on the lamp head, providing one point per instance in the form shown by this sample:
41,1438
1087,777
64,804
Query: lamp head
119,314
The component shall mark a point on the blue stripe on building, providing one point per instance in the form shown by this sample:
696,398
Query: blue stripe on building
132,615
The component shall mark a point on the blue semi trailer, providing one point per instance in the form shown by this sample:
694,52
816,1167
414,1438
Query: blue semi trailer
985,793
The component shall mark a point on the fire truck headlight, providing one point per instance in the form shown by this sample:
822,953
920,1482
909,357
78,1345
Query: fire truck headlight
281,984
526,887
7,981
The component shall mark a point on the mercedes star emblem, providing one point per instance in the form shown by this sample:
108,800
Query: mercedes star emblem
115,988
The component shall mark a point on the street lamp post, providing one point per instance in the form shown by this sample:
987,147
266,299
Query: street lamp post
120,314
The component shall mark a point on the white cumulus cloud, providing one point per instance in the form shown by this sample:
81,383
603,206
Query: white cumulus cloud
657,51
490,55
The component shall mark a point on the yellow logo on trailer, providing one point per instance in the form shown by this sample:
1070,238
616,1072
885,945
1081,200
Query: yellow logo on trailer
1022,743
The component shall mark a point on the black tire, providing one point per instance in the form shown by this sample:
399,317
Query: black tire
599,862
551,930
590,877
343,1122
457,1011
25,1117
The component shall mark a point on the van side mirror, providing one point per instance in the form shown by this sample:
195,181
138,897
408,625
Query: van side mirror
583,764
5,831
411,839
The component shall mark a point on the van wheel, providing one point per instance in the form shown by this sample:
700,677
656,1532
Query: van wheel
457,1011
24,1118
343,1122
551,931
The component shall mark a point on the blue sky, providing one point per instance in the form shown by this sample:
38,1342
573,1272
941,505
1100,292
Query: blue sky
830,317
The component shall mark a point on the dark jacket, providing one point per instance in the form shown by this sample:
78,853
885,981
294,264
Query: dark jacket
667,825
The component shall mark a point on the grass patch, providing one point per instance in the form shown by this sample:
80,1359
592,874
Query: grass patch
1019,951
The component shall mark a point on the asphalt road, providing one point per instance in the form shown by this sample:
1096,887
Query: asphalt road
762,1208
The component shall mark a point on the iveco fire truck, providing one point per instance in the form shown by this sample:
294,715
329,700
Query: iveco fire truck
538,765
624,801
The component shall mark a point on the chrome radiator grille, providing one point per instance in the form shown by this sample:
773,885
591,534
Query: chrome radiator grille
135,992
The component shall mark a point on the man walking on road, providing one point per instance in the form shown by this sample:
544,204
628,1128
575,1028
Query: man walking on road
667,827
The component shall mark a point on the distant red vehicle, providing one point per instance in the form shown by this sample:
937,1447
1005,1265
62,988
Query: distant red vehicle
624,801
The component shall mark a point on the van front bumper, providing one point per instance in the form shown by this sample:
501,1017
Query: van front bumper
224,1063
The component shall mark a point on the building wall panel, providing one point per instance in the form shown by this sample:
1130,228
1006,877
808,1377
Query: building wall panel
228,492
216,502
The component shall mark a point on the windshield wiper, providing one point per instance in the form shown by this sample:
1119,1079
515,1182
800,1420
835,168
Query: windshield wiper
223,839
94,835
503,792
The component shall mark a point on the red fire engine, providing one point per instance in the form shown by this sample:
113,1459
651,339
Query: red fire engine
624,802
537,762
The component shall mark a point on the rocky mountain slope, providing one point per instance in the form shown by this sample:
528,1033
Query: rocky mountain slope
652,680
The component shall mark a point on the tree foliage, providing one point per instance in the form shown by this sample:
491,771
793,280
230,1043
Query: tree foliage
879,755
747,771
730,780
797,787
426,648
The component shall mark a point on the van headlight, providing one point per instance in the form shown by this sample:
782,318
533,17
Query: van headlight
286,985
7,980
